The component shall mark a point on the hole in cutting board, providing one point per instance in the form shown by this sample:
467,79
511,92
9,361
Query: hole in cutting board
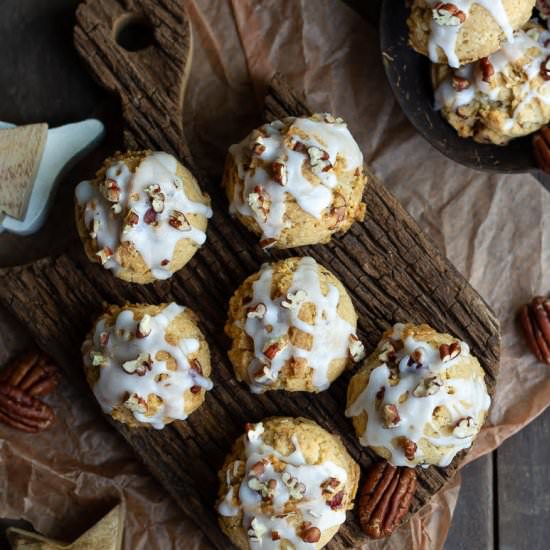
134,33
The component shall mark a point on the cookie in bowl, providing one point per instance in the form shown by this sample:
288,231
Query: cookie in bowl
143,216
292,327
287,483
296,181
503,96
464,31
420,398
147,365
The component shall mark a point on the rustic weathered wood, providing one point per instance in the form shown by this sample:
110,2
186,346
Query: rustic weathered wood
21,151
523,487
473,519
392,270
150,82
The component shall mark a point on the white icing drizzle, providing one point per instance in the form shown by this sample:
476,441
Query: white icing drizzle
115,345
262,195
535,39
153,234
463,398
330,332
312,499
444,35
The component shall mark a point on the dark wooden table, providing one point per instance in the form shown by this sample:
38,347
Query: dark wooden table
505,497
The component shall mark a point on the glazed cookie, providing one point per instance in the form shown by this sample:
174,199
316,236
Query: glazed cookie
143,216
297,181
502,97
420,398
147,365
286,485
292,326
464,30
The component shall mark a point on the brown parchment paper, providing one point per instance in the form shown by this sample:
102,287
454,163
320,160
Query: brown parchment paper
496,230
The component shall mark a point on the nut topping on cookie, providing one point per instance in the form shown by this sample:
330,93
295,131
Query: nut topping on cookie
310,534
138,366
273,347
178,220
279,173
259,202
294,300
256,312
465,428
460,83
104,255
110,190
448,15
487,69
144,327
391,417
136,403
356,348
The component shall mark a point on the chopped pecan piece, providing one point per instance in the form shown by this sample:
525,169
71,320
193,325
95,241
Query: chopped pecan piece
386,498
310,534
487,69
448,15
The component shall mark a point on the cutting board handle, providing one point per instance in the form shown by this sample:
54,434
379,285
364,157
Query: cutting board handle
141,50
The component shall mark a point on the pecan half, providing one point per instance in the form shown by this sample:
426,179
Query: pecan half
33,372
20,410
541,149
535,321
386,498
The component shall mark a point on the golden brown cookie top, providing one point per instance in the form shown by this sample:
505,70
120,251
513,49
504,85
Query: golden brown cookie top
502,96
294,171
138,209
463,31
420,397
146,362
293,327
287,479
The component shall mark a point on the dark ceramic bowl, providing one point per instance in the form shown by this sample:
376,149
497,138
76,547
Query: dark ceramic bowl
409,75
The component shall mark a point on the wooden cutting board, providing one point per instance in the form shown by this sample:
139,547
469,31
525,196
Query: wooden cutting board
392,270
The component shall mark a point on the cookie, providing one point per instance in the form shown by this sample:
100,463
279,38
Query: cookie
287,483
292,327
147,365
420,398
296,181
503,97
464,31
143,217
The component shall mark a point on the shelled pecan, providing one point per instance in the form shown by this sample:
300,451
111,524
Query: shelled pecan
20,410
33,372
386,498
535,321
541,149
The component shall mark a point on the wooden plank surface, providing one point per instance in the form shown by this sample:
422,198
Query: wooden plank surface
473,521
523,484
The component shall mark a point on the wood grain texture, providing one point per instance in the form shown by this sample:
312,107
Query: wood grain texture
391,269
523,488
473,518
21,150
